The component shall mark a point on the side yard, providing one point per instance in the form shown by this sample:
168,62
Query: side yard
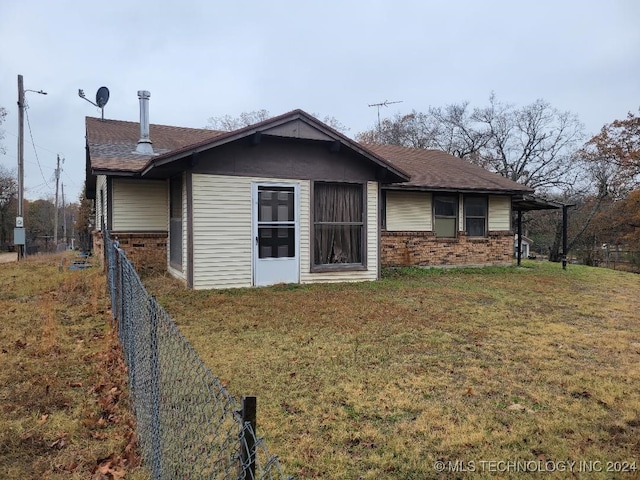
384,379
62,384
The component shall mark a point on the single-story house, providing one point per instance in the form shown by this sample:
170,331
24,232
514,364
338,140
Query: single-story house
525,246
288,200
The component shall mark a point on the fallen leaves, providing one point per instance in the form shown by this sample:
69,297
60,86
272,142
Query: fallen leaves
59,442
110,468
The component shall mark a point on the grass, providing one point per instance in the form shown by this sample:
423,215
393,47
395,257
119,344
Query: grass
383,379
62,384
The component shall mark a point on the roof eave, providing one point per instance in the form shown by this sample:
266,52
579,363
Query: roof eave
274,122
427,188
115,173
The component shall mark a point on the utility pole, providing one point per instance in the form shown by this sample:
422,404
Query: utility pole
64,219
55,208
19,231
19,236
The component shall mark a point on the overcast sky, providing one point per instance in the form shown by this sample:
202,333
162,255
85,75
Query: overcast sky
202,58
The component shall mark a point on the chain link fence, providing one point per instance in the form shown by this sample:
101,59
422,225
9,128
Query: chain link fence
188,425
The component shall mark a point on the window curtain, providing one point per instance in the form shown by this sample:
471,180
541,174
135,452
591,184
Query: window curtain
338,217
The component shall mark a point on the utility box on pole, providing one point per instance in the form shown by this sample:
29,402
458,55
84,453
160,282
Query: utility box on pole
19,236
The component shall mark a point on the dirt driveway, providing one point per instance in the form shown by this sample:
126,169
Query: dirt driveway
8,257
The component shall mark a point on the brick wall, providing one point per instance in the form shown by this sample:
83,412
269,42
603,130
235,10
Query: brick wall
405,249
147,251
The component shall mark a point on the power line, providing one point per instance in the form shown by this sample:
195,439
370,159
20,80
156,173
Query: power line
39,146
26,111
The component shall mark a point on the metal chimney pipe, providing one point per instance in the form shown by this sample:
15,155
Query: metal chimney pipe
144,144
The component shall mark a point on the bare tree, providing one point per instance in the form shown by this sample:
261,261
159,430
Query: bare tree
8,202
531,145
3,115
228,123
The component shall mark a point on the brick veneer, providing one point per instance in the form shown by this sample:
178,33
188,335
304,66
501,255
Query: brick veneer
405,249
147,251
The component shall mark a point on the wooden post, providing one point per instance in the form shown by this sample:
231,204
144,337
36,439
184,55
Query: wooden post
248,446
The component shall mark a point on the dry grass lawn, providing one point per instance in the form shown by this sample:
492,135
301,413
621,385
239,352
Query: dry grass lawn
382,380
64,406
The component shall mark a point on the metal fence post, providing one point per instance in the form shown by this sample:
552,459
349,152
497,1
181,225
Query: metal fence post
248,442
156,439
119,299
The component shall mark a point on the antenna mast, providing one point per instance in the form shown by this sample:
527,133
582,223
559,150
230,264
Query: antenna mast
386,103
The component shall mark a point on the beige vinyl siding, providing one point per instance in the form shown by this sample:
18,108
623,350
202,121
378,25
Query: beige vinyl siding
372,246
408,211
499,212
223,234
139,205
101,201
222,231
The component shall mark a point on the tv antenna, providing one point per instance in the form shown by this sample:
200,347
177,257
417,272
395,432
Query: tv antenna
386,103
102,97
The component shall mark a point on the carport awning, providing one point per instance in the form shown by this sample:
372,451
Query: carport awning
525,203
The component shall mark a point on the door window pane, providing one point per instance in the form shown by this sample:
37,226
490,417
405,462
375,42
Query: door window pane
277,242
275,204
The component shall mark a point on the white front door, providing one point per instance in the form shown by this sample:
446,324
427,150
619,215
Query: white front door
276,249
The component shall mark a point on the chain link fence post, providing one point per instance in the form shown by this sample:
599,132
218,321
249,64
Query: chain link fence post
156,436
248,438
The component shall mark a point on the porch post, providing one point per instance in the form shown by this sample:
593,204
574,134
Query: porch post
565,209
519,253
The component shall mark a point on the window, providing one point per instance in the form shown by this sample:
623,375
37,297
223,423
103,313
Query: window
338,222
445,215
175,222
475,216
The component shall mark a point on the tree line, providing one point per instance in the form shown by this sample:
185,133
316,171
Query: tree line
39,219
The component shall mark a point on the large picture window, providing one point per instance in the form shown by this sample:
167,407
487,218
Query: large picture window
445,215
475,216
338,216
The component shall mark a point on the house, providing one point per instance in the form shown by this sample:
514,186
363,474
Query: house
450,212
287,200
525,246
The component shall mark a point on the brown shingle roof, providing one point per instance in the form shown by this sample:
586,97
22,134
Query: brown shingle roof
436,170
112,143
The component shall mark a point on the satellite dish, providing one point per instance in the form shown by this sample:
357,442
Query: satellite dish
102,97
